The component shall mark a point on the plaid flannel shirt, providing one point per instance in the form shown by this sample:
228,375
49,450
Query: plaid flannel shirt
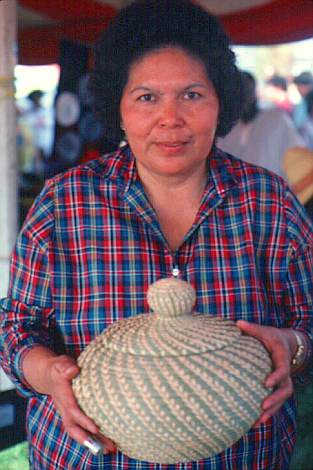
91,245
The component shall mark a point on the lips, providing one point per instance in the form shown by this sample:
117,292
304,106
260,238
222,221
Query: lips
172,144
172,147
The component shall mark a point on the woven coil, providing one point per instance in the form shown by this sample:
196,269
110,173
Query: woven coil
172,386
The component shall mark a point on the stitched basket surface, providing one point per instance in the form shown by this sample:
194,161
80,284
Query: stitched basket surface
172,386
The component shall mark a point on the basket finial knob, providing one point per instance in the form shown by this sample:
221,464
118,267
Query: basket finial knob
171,297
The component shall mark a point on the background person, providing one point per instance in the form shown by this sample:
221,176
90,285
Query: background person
34,123
306,130
262,136
304,83
276,92
167,203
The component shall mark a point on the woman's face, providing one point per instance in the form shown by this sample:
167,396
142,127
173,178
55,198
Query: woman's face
169,111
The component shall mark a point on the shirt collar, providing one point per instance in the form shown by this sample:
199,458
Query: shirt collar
117,167
222,171
121,168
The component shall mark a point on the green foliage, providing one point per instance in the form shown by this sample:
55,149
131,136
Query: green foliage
303,455
15,458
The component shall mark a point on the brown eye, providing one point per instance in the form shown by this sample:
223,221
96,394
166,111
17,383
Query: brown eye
146,97
192,95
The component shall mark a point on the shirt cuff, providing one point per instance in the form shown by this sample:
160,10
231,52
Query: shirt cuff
18,378
304,374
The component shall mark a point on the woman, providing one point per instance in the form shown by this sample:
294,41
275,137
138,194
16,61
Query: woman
167,203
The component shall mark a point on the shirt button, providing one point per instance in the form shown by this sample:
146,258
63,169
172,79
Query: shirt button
175,272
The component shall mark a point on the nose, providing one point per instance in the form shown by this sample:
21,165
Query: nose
171,114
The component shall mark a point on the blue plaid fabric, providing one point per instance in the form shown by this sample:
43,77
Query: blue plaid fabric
91,245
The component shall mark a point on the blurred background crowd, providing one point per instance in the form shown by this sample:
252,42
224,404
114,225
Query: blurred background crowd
57,128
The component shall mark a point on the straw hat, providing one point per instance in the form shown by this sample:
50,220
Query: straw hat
298,166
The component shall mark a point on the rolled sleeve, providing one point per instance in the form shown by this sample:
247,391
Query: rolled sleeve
27,314
299,293
299,282
22,328
300,303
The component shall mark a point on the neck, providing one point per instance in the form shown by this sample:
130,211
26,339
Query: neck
176,201
185,186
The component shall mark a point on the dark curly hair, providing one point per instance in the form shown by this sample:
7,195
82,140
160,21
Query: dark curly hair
147,25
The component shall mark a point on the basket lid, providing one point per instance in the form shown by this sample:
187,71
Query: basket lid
173,329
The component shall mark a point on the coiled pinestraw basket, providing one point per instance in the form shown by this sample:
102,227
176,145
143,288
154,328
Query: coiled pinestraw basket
172,386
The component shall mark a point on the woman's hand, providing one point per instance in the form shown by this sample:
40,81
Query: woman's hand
52,375
62,370
280,343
